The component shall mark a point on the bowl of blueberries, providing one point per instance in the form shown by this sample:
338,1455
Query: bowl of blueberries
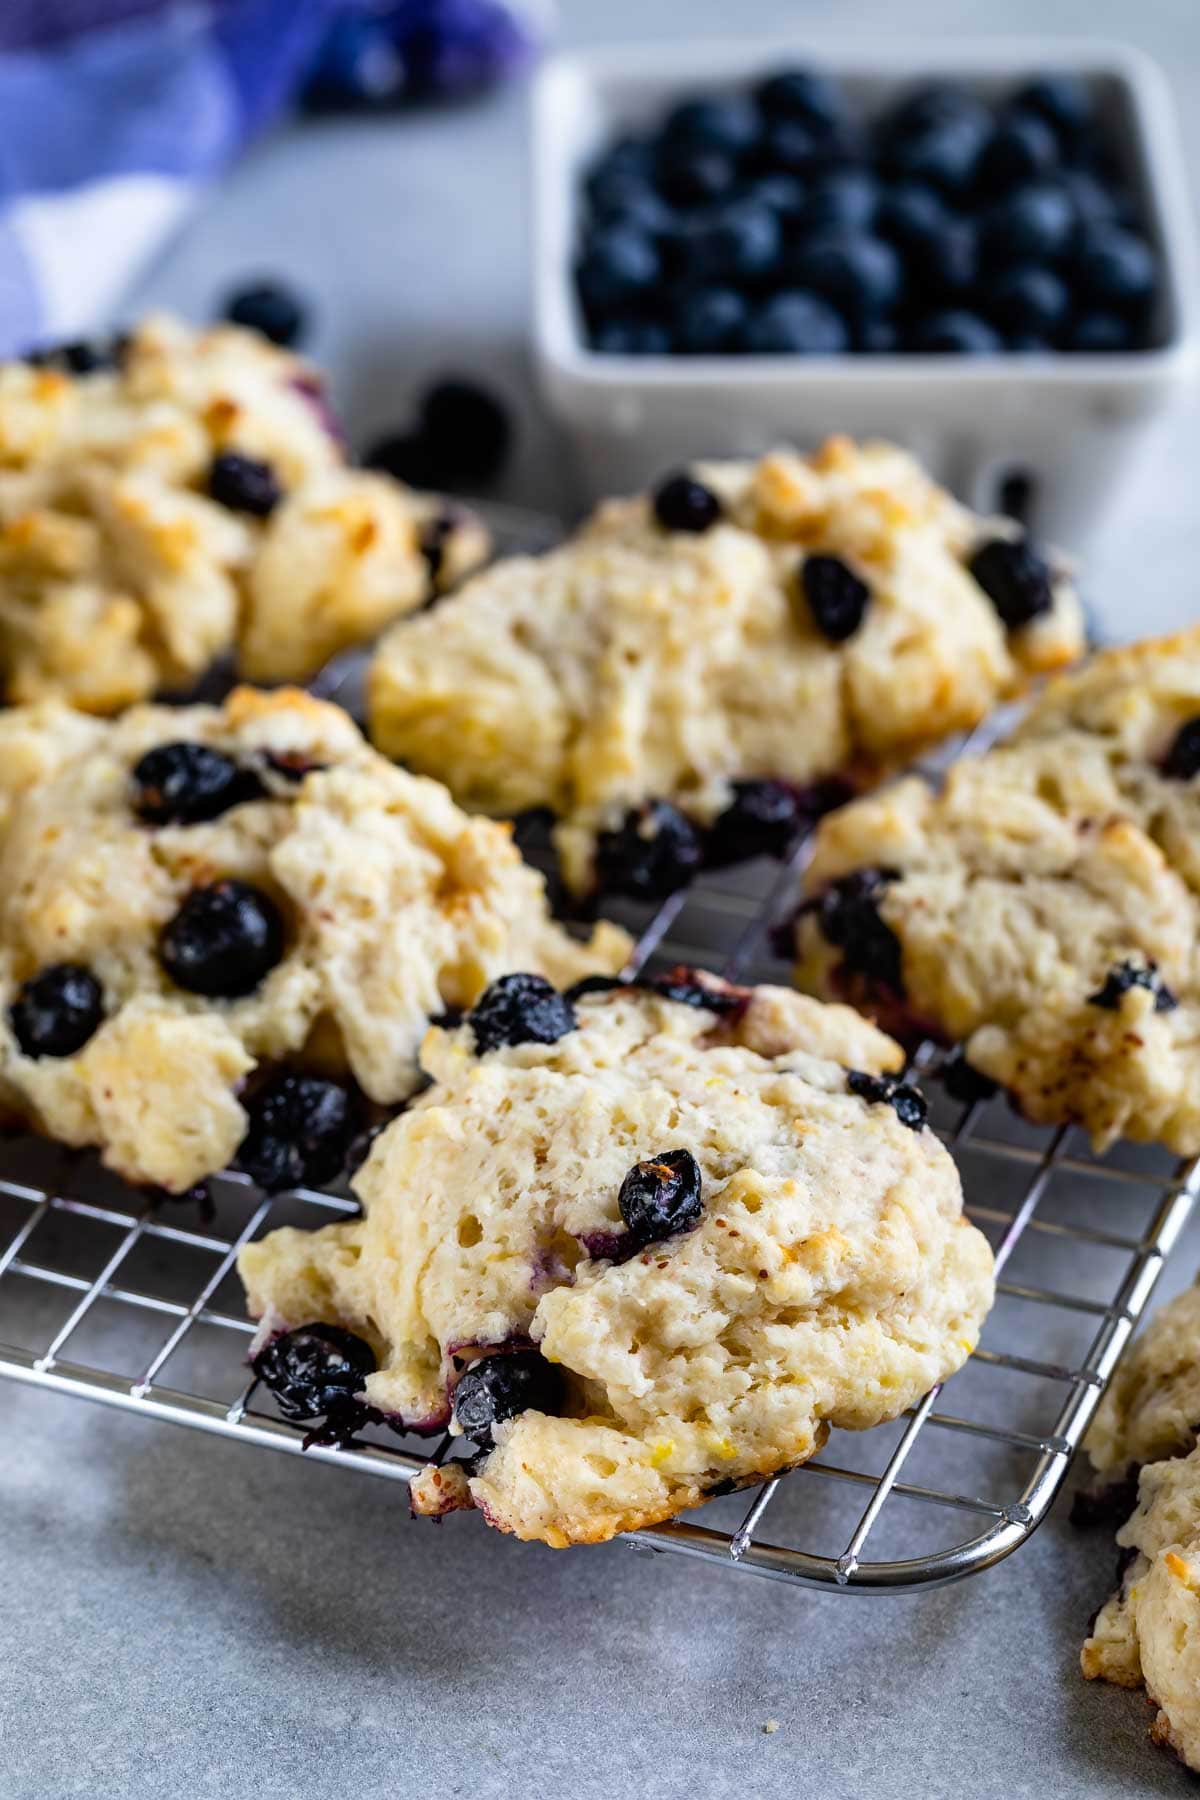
985,251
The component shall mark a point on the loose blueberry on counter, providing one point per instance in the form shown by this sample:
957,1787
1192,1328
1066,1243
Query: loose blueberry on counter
520,1009
186,783
908,1103
299,1133
500,1387
836,598
1015,579
314,1370
955,333
681,503
244,484
662,1196
761,820
223,940
1182,760
57,1010
796,324
848,916
1128,975
964,1083
269,308
655,851
466,430
710,321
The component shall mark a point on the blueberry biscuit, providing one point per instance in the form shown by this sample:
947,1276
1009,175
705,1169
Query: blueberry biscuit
713,652
643,1245
189,499
1043,907
1143,1443
204,913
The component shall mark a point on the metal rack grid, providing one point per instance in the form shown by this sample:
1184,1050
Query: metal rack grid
1027,1397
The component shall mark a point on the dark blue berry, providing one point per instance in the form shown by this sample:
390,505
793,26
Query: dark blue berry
1021,148
688,177
954,333
244,484
1095,202
520,1009
630,202
877,337
710,321
628,159
911,214
632,337
661,1197
842,200
836,597
1029,300
849,919
796,324
1062,101
730,126
185,782
859,274
269,308
785,195
1034,224
299,1132
652,853
1015,578
761,820
804,95
681,503
908,1103
791,147
1182,760
223,940
314,1370
937,103
1116,270
1101,332
57,1010
740,244
945,154
465,429
1128,975
499,1387
620,264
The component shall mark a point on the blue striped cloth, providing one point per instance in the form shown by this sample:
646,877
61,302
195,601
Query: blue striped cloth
114,117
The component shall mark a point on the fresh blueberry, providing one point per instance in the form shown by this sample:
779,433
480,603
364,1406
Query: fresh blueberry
681,503
1126,975
631,203
1021,148
627,159
1182,760
1116,270
836,598
1029,300
964,1083
244,484
223,940
910,214
941,251
314,1370
466,430
730,126
499,1387
937,103
710,320
740,244
57,1010
945,154
300,1130
761,820
269,308
877,337
796,324
652,853
842,200
619,265
1034,224
908,1103
520,1009
1062,101
954,333
803,95
859,274
785,195
1015,578
791,147
849,919
1095,202
688,177
185,782
662,1196
632,337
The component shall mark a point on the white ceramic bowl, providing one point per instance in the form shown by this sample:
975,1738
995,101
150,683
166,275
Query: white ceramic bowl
1071,421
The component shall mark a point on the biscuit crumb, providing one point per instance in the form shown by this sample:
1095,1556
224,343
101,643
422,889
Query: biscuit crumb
771,1727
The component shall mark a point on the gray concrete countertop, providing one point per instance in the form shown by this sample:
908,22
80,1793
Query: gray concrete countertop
183,1616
